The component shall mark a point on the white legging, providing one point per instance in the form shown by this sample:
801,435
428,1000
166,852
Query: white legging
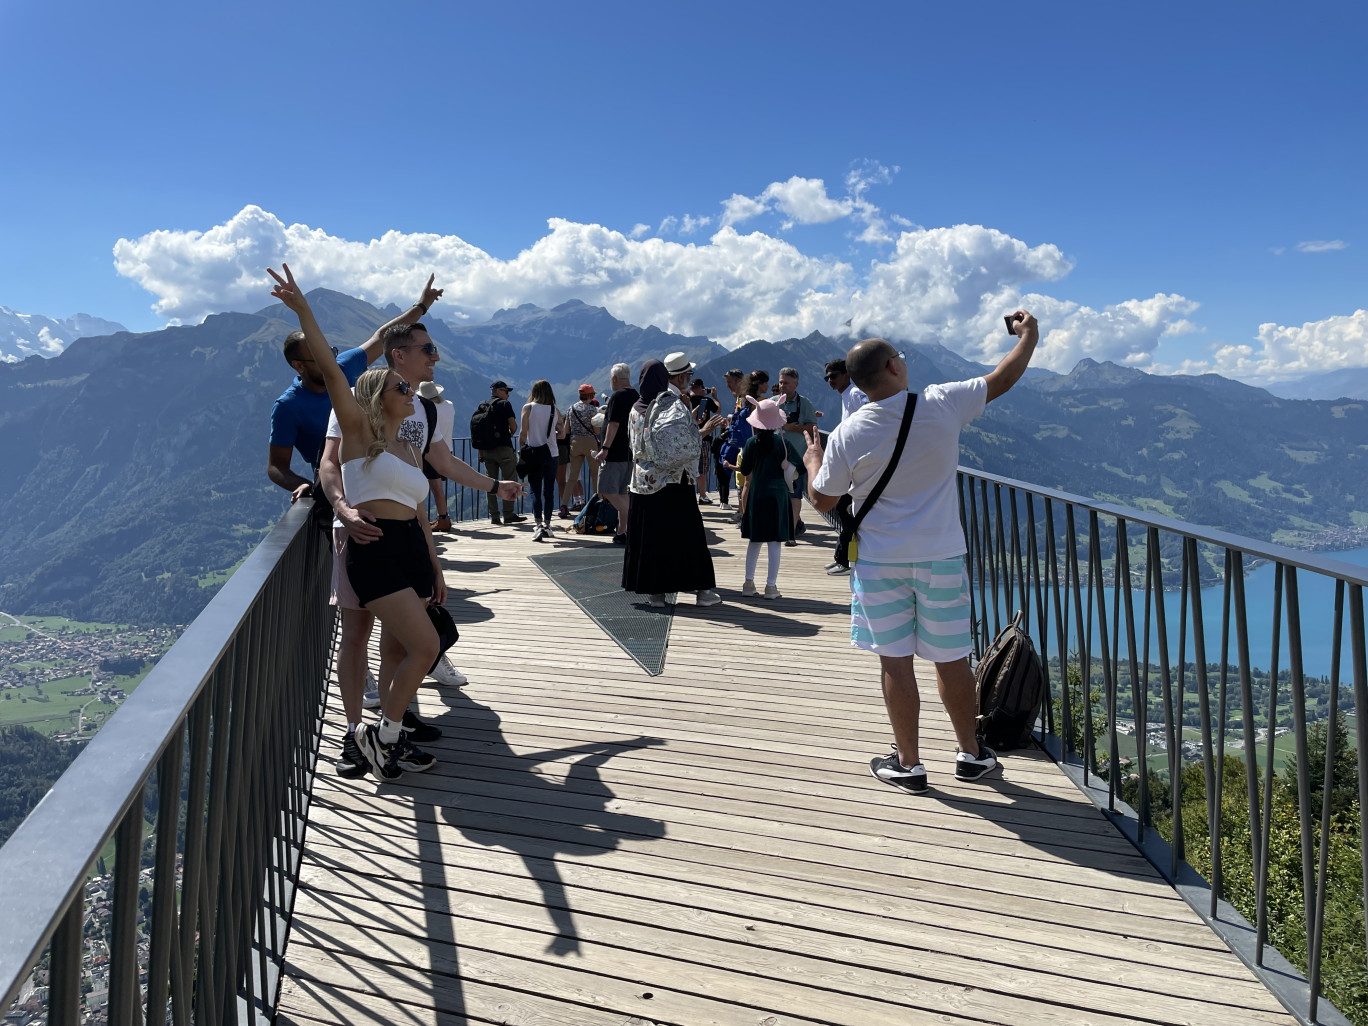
753,560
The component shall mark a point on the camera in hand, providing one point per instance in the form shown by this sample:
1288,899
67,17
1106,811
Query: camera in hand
1012,321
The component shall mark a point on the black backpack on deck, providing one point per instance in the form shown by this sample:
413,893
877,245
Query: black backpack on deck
1011,688
484,432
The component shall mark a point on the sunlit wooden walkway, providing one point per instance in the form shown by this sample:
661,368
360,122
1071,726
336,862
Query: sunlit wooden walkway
598,847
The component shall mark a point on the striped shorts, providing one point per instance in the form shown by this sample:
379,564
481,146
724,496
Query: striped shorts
903,609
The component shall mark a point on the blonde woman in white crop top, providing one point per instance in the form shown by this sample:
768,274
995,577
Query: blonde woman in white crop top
395,576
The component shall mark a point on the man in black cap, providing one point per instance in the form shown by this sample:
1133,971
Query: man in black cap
491,432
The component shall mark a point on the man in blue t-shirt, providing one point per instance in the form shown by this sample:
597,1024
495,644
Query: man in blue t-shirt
299,418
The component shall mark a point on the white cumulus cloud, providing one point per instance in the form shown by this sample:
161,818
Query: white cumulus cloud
1285,352
949,285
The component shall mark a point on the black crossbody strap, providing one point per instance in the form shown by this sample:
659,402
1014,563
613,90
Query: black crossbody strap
887,475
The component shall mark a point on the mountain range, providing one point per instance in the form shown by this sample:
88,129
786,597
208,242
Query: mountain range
24,335
134,469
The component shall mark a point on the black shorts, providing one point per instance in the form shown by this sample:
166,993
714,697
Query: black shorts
397,560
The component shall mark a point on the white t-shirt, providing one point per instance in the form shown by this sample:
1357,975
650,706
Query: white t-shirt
446,419
917,517
851,400
541,425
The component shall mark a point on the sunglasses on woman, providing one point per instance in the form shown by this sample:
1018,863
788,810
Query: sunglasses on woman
403,388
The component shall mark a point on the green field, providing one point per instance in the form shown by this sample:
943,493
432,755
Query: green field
43,707
1284,748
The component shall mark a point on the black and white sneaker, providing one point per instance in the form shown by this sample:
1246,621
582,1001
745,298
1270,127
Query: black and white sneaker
351,763
383,758
888,769
538,533
969,767
411,759
417,731
834,569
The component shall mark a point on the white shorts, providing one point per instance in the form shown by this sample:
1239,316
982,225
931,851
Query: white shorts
903,609
342,595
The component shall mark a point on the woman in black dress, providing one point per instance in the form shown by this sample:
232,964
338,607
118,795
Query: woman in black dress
667,548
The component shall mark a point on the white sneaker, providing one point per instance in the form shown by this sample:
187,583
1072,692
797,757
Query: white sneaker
748,589
725,505
835,569
370,698
657,600
707,597
538,533
771,592
445,673
703,500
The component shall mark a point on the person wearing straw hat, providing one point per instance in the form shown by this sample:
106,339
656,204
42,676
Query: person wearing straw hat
768,517
446,420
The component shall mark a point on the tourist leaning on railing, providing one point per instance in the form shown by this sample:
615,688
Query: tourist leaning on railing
398,574
909,589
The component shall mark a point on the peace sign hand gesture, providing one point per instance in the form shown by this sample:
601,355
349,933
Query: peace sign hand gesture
287,290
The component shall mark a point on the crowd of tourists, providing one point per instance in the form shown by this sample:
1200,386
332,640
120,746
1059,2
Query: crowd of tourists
379,441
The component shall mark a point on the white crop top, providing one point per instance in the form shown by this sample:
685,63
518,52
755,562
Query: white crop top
388,477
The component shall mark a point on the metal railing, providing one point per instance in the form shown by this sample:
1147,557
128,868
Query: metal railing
1122,606
220,741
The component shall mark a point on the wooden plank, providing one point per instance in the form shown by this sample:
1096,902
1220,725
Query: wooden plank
746,861
731,974
1016,969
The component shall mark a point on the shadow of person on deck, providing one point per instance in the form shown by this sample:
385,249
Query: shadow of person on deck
538,818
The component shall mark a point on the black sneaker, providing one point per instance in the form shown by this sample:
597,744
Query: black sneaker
801,529
514,518
619,539
417,731
383,759
968,767
888,769
411,759
351,763
496,521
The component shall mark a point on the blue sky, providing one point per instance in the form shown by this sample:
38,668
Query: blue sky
1143,174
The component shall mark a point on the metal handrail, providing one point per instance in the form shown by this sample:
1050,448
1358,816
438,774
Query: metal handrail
1050,555
225,728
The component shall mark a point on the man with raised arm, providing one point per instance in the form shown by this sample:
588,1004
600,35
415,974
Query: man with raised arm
299,417
909,589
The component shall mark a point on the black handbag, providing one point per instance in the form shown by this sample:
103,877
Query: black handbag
849,525
447,634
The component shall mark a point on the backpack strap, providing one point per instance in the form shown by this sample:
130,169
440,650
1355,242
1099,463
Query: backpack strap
430,408
887,474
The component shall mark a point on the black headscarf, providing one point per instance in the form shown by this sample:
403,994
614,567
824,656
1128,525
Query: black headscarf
654,379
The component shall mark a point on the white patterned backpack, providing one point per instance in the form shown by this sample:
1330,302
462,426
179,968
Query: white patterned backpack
669,439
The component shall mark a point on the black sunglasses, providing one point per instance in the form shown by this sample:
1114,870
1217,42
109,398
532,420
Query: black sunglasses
428,347
403,388
828,377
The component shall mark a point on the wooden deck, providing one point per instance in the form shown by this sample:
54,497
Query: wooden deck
598,847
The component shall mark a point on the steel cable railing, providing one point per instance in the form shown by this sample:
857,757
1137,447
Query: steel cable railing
1112,608
215,753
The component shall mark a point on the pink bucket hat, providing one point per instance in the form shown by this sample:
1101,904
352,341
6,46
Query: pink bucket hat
768,414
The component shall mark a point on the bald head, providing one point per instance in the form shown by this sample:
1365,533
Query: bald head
867,363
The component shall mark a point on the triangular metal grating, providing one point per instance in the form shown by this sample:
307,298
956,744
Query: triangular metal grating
592,578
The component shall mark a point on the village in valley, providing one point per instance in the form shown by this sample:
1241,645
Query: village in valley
65,678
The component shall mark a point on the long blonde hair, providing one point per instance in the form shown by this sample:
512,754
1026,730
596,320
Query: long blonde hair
370,390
